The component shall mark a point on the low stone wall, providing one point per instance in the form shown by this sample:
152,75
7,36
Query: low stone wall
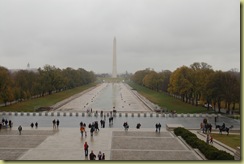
117,114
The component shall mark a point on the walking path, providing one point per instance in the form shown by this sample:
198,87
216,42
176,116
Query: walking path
117,144
216,143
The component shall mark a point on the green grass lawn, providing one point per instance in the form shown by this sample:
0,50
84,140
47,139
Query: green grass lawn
30,105
166,101
231,140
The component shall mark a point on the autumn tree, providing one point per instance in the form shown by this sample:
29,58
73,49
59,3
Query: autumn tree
200,73
164,78
181,83
6,85
150,80
139,76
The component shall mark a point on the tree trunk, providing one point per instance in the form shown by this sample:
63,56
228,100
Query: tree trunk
219,106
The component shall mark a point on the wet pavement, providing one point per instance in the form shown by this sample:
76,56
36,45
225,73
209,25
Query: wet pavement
117,144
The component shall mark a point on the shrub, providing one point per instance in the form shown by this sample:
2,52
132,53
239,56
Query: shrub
209,151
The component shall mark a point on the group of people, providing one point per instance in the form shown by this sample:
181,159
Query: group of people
83,129
138,126
158,127
55,124
6,123
102,122
93,127
92,156
32,125
126,126
209,139
205,127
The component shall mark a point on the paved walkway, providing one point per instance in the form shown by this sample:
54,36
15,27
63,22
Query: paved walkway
67,144
117,144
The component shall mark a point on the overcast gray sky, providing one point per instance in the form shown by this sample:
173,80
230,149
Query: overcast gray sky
158,34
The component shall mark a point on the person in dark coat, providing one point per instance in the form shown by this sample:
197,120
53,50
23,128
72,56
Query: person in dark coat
159,127
36,124
156,126
20,129
92,156
57,123
103,156
10,123
138,126
32,125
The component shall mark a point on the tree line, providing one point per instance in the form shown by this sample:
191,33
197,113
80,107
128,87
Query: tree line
25,84
199,82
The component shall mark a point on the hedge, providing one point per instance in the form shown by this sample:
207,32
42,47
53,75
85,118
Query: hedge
209,151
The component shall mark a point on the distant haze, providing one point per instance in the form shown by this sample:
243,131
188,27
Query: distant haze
158,34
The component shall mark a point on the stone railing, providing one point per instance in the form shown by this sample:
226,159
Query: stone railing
107,114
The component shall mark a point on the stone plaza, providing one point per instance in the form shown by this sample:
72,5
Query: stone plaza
117,144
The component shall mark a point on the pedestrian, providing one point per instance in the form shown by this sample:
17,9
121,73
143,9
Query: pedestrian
86,146
156,126
92,156
126,126
36,124
138,126
6,123
211,139
96,126
210,128
81,123
99,155
103,156
81,130
54,124
159,127
101,122
32,125
57,123
92,129
20,129
3,121
10,123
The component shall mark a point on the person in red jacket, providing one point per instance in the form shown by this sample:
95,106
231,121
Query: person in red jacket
86,146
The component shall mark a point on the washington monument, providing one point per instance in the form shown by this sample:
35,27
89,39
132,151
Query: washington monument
114,71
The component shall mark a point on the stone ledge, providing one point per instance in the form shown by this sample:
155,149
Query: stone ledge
197,151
